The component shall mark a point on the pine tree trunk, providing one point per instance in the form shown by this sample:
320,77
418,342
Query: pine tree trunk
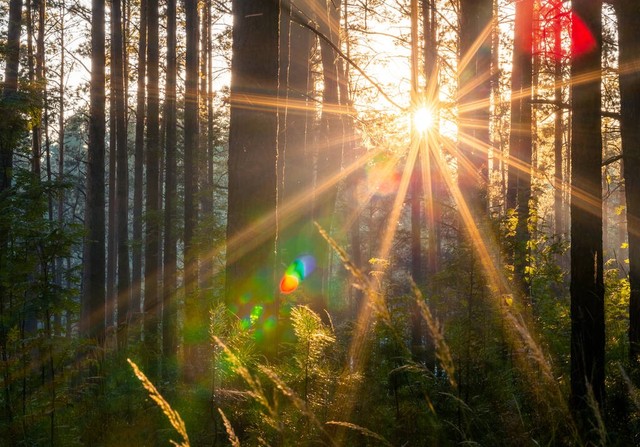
329,154
12,52
122,177
250,282
587,289
169,314
93,290
193,313
295,171
136,261
475,17
520,141
152,160
112,248
628,25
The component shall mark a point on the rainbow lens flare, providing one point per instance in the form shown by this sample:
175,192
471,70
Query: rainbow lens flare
296,272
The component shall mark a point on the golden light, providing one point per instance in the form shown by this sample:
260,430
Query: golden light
423,119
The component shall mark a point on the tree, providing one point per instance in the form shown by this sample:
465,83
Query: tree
587,288
136,260
628,22
329,148
169,314
475,83
122,175
152,162
520,141
193,312
93,291
10,88
250,282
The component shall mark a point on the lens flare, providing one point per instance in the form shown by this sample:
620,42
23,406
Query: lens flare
296,272
423,119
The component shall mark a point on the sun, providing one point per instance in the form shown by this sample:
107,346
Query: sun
423,119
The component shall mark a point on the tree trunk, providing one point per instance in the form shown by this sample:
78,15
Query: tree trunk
112,248
12,52
520,141
587,289
122,177
416,191
193,312
169,314
475,17
152,159
93,291
628,25
329,153
295,172
136,261
250,282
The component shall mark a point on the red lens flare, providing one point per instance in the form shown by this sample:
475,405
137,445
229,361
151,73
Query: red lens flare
582,39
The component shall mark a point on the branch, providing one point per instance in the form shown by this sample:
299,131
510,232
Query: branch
346,58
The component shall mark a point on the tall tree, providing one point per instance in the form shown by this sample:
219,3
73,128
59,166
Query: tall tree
329,148
416,188
587,289
250,285
93,290
10,88
138,168
193,311
628,12
520,141
475,83
152,162
169,314
122,175
295,171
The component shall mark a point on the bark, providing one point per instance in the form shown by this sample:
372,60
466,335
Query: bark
136,260
61,134
152,233
112,249
206,197
10,88
520,141
436,188
415,193
295,173
169,315
587,289
628,23
193,312
122,177
559,123
475,16
250,282
93,291
329,153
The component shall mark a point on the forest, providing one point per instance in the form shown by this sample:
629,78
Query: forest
319,223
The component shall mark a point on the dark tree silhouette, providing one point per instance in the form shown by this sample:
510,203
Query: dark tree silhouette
628,12
587,289
92,319
251,227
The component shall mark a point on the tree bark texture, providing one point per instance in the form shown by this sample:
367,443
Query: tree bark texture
250,282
